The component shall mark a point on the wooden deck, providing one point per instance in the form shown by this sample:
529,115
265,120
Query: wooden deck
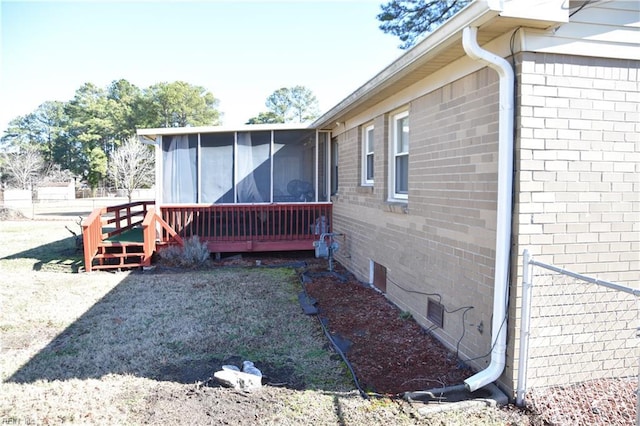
126,236
251,227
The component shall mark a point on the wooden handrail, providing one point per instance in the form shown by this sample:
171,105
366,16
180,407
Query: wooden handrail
170,230
92,236
223,227
123,220
125,213
149,235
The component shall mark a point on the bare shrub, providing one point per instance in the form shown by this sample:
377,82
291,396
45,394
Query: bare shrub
10,214
194,253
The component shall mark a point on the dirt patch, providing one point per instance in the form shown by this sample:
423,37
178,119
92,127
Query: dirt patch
596,402
11,214
390,353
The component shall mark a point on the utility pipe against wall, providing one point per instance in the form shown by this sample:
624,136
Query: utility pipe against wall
503,226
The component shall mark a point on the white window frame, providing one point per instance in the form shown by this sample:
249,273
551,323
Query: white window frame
366,153
395,153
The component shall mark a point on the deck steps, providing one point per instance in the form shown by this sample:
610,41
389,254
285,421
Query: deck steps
123,251
119,256
123,236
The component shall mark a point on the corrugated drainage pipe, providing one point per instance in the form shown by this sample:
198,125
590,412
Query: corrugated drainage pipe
503,226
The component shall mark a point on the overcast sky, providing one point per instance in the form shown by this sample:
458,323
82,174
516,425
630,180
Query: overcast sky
241,51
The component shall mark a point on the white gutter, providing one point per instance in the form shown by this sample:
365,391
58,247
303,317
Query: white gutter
476,13
153,132
503,225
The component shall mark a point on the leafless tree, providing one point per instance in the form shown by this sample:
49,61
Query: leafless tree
132,166
54,173
23,167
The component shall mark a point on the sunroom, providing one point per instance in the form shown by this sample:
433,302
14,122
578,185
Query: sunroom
251,164
249,188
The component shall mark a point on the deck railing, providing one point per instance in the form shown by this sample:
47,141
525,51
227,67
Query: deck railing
223,227
91,237
251,227
121,218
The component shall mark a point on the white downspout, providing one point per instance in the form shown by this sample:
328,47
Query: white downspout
503,225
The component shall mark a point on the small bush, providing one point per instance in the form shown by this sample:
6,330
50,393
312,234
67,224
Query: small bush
405,315
193,254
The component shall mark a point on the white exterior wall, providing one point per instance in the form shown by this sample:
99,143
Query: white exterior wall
605,29
55,193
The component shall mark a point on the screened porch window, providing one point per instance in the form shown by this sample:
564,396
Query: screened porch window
294,166
216,168
180,177
254,167
246,167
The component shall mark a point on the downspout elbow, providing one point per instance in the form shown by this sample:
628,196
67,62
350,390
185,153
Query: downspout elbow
489,374
504,204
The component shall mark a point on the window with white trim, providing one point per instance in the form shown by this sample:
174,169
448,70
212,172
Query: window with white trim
367,155
399,164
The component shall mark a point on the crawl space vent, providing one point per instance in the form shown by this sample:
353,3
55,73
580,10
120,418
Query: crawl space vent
435,312
380,277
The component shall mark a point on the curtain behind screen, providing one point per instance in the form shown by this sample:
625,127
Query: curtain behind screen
179,173
323,165
216,163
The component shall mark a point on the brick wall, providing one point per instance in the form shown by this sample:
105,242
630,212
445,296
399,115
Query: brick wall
441,243
577,187
579,161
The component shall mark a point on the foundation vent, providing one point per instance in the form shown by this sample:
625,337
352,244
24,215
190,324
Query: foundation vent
380,277
435,312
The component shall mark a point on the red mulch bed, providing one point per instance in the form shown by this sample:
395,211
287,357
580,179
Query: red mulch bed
390,353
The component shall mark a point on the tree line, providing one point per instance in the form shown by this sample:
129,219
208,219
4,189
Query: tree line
81,138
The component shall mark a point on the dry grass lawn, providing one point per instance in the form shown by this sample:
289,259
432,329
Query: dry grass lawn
134,348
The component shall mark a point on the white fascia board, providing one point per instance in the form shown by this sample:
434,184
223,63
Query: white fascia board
219,129
580,48
602,29
475,14
605,46
540,10
450,73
